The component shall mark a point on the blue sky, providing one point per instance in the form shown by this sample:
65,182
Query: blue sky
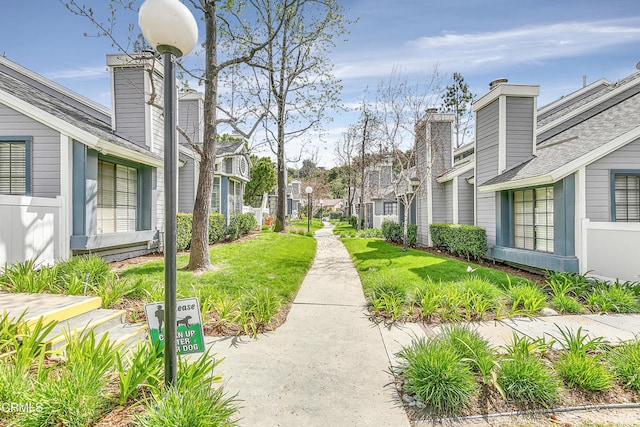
549,43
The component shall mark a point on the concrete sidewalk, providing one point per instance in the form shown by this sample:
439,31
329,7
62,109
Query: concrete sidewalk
326,366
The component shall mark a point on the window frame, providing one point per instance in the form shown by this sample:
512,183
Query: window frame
116,207
626,173
394,209
27,141
534,214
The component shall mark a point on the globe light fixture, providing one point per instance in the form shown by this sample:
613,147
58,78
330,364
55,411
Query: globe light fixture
169,27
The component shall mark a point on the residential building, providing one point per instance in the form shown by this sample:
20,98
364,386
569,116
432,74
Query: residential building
77,178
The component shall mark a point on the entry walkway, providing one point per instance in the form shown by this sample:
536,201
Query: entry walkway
326,366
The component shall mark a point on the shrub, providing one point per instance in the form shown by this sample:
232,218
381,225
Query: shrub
184,222
335,215
370,232
525,379
470,347
217,227
240,224
394,232
463,240
353,220
625,363
434,373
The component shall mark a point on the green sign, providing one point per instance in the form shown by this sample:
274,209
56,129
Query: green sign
189,336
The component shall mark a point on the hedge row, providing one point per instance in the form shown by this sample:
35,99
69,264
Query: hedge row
463,240
239,225
394,232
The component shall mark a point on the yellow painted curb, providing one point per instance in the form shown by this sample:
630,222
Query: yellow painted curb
68,312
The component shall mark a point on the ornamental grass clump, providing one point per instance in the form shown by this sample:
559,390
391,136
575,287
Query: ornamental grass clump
526,298
435,374
526,381
613,298
625,363
388,299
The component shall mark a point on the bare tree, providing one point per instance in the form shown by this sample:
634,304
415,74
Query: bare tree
400,109
226,24
345,152
293,82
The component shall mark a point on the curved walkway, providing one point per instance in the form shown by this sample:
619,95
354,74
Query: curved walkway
326,366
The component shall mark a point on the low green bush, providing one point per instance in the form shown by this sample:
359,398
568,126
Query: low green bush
240,224
433,372
184,222
625,363
585,372
463,240
217,227
613,298
394,232
525,380
335,215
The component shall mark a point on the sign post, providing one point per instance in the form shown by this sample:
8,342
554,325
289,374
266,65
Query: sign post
189,335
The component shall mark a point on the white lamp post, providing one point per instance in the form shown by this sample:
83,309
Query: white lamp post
308,190
171,29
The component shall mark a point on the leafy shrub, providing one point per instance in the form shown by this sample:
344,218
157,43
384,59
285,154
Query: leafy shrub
394,232
240,224
625,363
580,370
335,215
525,380
434,373
463,240
217,226
353,220
184,221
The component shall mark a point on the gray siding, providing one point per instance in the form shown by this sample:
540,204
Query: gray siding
439,200
465,199
45,150
519,129
441,140
422,214
448,202
186,191
487,167
130,103
598,179
189,120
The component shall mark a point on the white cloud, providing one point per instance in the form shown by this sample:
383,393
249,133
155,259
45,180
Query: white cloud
78,73
494,49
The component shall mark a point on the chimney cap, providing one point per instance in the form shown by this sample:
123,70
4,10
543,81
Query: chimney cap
497,82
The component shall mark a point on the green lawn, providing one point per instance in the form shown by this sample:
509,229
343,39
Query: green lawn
302,224
276,261
375,258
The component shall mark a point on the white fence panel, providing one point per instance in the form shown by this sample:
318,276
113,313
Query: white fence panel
612,250
31,228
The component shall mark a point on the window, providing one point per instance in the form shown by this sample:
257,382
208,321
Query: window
14,167
627,198
235,196
533,219
215,195
390,208
117,198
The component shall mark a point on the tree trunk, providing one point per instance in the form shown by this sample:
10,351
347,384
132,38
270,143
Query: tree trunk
199,253
405,227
